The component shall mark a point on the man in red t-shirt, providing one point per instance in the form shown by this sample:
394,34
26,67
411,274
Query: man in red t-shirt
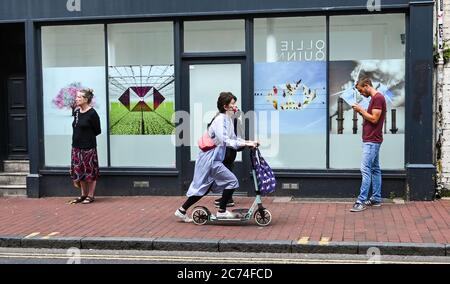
372,137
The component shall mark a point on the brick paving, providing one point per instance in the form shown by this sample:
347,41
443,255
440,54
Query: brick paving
412,222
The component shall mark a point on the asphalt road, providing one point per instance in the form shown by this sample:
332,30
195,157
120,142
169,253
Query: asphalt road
75,256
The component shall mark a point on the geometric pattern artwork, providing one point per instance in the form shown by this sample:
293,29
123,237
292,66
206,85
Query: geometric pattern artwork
157,98
141,106
125,99
142,99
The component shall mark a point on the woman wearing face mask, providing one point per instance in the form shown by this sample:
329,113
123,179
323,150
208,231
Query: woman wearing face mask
210,173
231,153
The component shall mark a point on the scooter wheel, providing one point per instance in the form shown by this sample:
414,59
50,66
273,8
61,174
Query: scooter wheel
200,216
263,218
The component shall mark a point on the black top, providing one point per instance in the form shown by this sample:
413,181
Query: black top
86,126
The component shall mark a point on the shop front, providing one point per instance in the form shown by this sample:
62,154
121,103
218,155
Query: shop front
157,70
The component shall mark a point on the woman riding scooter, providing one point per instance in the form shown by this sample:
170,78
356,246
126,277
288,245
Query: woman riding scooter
210,173
231,153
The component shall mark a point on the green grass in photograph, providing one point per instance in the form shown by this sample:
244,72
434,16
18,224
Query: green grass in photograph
124,122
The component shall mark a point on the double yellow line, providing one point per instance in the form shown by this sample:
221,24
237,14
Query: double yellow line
203,259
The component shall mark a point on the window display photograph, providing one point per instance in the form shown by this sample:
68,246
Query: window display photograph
141,100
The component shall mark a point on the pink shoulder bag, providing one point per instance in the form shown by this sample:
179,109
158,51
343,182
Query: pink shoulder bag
205,143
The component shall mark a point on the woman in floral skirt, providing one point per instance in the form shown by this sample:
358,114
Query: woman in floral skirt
84,168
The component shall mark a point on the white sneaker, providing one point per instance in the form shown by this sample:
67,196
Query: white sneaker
225,215
182,216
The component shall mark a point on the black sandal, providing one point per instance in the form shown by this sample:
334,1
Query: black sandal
78,200
88,200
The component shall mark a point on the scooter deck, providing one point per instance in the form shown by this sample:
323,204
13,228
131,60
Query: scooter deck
239,216
240,210
214,218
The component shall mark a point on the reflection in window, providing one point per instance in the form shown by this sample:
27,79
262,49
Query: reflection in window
203,97
73,58
372,45
290,91
214,36
141,94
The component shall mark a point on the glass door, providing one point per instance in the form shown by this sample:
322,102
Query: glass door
204,81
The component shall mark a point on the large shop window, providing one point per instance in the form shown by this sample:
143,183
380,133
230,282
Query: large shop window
290,91
141,94
214,36
373,45
73,57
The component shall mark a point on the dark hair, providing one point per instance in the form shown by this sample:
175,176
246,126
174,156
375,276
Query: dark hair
88,94
225,98
363,81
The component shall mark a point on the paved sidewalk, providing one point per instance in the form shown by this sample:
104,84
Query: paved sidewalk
414,224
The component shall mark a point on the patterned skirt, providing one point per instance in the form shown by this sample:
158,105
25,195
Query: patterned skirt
84,166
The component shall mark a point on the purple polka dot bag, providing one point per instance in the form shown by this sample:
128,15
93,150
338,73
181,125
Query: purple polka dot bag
264,174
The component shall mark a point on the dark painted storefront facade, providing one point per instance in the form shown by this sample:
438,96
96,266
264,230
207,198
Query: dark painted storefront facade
43,23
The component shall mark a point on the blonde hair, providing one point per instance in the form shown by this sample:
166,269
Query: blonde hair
88,94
